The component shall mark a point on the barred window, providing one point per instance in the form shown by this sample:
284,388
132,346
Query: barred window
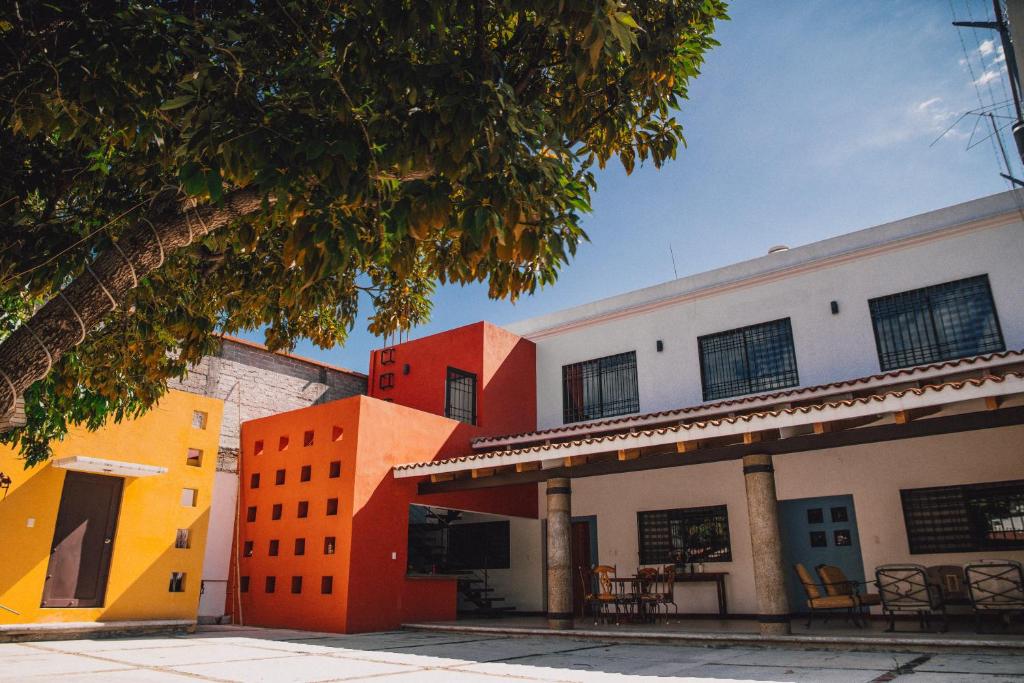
748,360
962,519
460,396
684,535
602,387
936,323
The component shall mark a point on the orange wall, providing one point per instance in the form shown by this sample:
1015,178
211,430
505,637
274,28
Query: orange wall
371,591
310,609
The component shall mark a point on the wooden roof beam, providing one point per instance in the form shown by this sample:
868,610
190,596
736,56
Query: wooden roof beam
527,466
629,454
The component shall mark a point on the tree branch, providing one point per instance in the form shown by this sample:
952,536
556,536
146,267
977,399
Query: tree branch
30,351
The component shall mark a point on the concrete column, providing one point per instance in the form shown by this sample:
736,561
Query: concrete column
559,495
766,541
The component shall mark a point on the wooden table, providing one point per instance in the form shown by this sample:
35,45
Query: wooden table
718,578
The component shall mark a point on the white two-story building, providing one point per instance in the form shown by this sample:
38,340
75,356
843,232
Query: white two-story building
855,402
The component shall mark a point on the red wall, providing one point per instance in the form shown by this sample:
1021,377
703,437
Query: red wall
504,364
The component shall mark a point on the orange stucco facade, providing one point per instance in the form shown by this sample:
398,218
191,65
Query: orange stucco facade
363,584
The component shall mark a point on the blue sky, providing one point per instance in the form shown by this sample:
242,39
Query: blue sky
811,119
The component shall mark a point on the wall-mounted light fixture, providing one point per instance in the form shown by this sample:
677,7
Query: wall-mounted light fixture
5,483
835,307
660,345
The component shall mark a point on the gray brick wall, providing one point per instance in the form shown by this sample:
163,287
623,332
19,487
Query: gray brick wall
254,382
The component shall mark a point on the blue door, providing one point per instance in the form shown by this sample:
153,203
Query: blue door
818,531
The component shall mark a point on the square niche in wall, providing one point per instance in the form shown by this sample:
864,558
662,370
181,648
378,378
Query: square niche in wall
815,516
819,539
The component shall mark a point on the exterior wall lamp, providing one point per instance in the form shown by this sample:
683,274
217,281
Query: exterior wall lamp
5,483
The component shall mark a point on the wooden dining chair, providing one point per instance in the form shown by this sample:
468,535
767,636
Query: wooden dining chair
609,594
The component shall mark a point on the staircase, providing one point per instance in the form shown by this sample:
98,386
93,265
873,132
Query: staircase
429,553
475,589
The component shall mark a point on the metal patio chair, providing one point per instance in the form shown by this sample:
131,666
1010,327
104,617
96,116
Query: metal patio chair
817,602
907,588
996,587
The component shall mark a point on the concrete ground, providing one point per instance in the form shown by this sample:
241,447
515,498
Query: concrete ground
229,653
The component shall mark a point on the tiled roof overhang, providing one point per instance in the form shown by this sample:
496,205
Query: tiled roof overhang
895,401
914,374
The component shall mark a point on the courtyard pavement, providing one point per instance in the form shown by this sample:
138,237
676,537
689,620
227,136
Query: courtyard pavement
230,653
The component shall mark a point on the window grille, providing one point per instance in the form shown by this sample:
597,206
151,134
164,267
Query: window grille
968,518
684,535
941,322
329,545
460,396
602,387
748,360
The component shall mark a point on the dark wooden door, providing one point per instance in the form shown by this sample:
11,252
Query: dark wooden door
580,563
83,541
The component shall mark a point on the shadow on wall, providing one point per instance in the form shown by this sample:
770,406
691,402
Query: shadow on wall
154,582
142,596
34,497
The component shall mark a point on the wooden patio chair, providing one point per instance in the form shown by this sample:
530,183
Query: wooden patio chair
817,602
996,587
907,588
668,573
836,583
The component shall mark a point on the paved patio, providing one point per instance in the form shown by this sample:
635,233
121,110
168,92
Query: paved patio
837,632
249,654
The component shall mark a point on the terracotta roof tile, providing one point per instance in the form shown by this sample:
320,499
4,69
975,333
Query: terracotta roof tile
749,417
903,373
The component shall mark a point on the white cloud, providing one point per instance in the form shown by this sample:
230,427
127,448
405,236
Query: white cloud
987,47
987,77
928,103
1000,56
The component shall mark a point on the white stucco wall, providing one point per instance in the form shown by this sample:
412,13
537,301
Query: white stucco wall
799,284
873,474
216,558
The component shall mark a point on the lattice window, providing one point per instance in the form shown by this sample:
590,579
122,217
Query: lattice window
602,387
748,360
961,519
684,535
941,322
460,396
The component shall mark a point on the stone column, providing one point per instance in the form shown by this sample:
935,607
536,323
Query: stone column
559,495
766,541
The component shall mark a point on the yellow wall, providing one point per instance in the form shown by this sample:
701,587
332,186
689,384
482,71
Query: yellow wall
151,513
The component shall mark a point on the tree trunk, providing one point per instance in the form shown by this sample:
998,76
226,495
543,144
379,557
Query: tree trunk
31,350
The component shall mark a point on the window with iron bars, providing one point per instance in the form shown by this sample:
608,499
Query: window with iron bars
748,360
602,387
963,519
941,322
460,396
684,535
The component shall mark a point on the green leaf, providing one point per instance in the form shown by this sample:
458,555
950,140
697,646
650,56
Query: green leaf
176,103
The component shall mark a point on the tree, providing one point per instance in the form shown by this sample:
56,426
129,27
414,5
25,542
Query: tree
173,169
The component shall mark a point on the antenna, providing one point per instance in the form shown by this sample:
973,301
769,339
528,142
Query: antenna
673,255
